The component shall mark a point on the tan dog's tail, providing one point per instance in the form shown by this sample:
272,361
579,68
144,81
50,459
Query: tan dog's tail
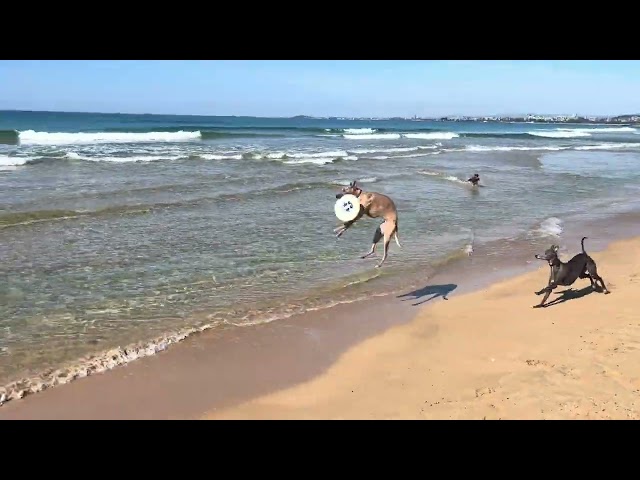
395,236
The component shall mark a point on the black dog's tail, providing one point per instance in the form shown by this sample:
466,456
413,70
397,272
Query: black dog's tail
582,243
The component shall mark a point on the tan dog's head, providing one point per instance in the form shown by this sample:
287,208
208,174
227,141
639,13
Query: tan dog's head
352,189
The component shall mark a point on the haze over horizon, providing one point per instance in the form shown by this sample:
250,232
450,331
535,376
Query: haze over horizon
322,88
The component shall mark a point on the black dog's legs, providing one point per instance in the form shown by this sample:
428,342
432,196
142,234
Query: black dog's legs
595,278
376,238
540,292
547,291
586,274
604,287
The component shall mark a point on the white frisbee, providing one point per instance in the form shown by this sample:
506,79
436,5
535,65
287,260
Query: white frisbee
347,208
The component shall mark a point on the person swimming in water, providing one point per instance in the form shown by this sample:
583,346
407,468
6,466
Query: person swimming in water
475,179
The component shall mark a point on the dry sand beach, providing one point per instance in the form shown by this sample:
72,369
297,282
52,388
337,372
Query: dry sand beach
489,355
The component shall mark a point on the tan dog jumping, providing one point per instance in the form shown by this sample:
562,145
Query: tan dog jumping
374,205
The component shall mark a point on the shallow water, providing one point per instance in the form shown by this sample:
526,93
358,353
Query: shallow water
111,235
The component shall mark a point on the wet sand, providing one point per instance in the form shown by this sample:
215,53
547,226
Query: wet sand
490,355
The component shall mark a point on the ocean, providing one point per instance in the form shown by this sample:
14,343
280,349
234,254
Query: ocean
120,234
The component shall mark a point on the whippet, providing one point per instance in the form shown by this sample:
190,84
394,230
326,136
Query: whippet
565,274
374,205
474,180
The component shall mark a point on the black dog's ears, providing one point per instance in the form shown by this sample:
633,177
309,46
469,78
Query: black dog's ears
555,248
353,184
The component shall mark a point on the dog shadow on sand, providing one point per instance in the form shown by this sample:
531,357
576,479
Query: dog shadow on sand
571,294
434,290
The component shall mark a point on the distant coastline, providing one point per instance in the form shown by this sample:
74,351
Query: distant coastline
554,119
627,119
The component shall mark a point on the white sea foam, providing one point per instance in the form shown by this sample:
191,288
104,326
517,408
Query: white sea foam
275,155
580,132
410,155
392,150
551,227
334,154
559,133
352,131
132,158
609,146
397,136
373,136
359,131
211,156
549,148
317,160
6,161
449,178
468,248
31,137
427,172
453,179
607,130
361,180
285,155
92,365
482,148
431,136
304,157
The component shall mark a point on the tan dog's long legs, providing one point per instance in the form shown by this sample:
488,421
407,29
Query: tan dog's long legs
376,238
388,228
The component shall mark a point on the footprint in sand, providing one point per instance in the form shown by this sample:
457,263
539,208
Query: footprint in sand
481,392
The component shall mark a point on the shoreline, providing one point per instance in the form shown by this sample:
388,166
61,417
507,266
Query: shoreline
284,352
480,269
242,363
489,355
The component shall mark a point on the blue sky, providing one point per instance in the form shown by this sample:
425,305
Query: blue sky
323,88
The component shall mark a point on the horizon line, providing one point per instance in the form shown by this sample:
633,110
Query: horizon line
326,116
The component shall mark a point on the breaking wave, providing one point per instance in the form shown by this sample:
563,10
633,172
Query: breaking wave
168,153
318,160
31,137
580,132
560,134
398,136
6,161
196,133
393,150
538,148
